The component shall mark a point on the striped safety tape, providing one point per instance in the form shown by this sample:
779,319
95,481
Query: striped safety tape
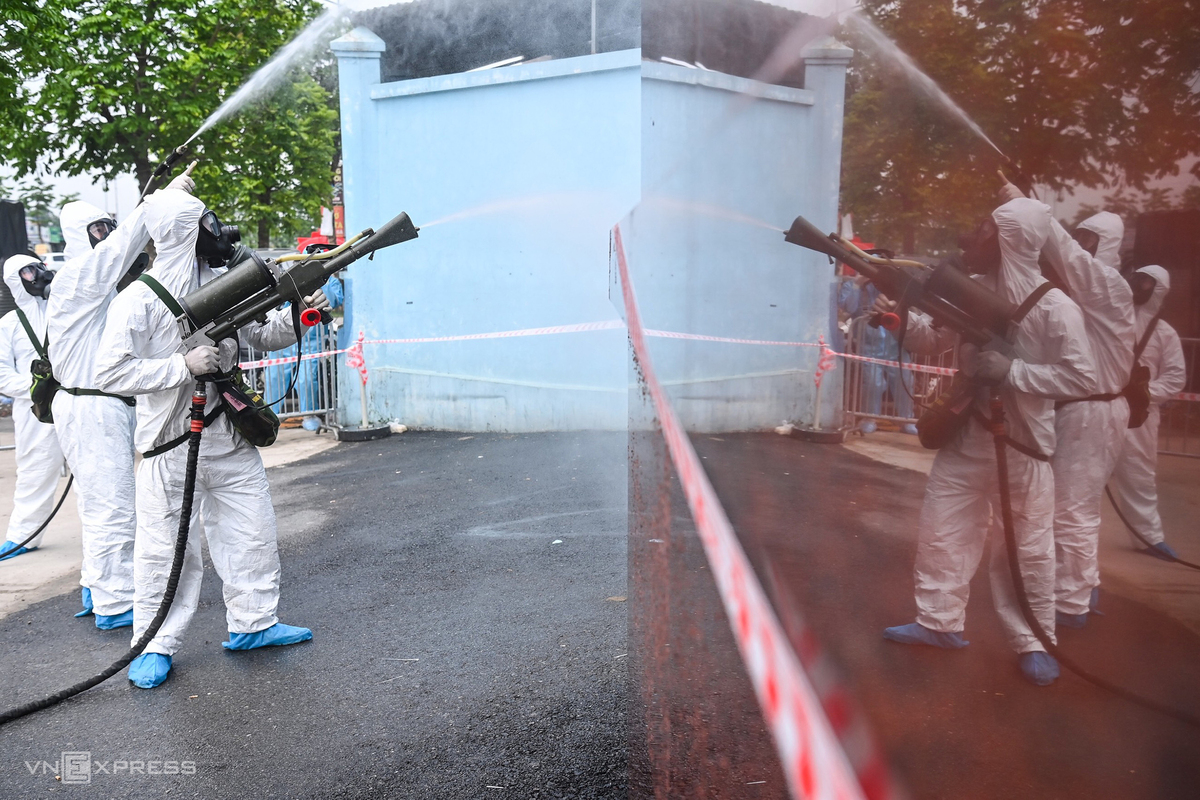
613,324
809,753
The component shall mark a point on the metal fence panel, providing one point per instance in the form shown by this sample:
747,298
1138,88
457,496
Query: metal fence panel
1179,428
873,391
315,390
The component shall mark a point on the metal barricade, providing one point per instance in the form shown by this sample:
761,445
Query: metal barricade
875,391
1179,428
315,390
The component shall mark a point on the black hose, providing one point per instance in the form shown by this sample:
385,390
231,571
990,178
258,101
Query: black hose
199,398
50,518
1143,539
1010,544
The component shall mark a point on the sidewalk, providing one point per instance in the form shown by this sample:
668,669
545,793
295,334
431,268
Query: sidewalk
1168,588
53,568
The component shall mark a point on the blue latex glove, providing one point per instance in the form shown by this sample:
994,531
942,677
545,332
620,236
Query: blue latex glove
916,633
1039,668
87,602
274,636
110,622
149,670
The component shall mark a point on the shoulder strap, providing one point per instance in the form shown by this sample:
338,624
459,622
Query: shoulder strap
1145,340
1031,301
168,299
39,347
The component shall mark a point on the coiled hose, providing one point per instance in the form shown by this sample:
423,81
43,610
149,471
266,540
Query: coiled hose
199,398
1010,545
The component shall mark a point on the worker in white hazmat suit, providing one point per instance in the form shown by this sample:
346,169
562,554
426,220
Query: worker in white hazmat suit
142,354
1052,361
1133,480
39,460
95,431
1091,431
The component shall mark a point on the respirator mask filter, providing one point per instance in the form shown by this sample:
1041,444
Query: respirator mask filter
36,279
216,242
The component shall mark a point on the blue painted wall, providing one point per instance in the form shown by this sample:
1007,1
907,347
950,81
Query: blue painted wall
522,171
529,167
727,164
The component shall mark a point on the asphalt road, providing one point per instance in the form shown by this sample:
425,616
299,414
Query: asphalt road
465,595
839,530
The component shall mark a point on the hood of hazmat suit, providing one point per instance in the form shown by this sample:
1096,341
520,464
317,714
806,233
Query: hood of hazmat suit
1111,230
142,349
1147,310
1103,295
74,219
34,307
85,286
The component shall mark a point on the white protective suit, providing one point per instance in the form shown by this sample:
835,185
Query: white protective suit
1052,361
142,354
39,460
1091,433
95,433
1133,483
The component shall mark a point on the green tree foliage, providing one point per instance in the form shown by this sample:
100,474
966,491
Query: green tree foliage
109,86
1077,92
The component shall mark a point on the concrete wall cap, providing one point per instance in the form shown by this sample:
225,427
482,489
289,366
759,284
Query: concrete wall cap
826,50
359,40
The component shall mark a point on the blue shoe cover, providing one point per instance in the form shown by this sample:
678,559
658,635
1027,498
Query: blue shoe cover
10,550
1070,620
109,622
311,424
274,636
910,429
916,633
1162,550
87,602
1039,668
149,670
868,427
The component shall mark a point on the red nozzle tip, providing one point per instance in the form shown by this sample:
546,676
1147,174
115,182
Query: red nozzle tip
310,317
890,321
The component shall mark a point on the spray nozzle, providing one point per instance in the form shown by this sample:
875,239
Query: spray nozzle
170,161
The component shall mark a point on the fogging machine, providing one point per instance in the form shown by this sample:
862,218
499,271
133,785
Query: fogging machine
256,285
950,297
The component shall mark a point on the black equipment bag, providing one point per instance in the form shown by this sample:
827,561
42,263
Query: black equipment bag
44,385
940,422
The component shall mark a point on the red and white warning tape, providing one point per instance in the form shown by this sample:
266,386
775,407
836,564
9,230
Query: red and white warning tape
584,327
812,759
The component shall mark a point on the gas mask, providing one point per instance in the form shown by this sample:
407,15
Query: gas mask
981,249
139,266
36,279
1142,286
216,242
99,230
1088,240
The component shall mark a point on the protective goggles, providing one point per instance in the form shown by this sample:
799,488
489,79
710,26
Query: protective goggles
99,230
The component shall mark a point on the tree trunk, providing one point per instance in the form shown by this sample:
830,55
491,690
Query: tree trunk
264,225
142,170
